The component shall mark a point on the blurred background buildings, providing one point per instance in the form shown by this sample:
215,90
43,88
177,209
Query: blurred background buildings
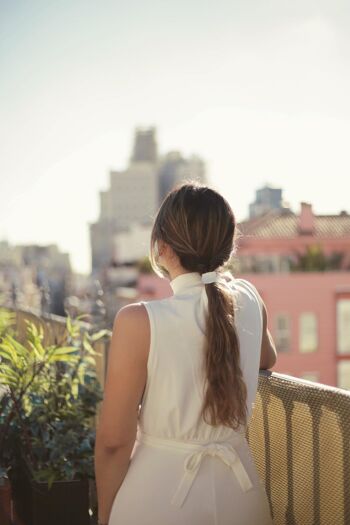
298,260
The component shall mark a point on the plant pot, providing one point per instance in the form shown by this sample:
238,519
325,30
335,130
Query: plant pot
5,501
66,502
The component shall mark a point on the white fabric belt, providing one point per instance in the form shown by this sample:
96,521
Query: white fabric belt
222,449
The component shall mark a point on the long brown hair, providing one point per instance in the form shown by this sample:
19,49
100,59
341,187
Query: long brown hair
199,225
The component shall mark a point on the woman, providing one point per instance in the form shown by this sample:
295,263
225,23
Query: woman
192,361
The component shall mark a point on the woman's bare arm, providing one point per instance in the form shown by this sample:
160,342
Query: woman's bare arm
268,354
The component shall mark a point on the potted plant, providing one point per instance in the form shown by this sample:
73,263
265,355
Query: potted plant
5,498
47,422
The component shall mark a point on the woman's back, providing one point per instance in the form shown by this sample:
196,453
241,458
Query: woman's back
176,377
183,470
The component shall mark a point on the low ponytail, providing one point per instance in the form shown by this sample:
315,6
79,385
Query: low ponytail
226,394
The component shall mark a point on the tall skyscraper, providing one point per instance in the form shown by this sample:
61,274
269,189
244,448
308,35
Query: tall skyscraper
266,199
132,198
145,146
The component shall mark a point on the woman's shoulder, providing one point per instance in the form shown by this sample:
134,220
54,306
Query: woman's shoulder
250,291
158,306
239,281
248,287
161,301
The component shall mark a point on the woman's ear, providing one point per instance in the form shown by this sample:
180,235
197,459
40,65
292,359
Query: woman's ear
161,247
157,248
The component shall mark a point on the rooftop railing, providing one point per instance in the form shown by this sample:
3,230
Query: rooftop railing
300,438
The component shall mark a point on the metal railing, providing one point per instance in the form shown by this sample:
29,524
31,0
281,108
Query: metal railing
299,434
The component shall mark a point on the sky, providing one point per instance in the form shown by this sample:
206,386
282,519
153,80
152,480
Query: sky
260,90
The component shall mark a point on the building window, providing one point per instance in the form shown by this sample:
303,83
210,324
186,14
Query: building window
284,264
343,326
308,333
311,376
343,373
282,332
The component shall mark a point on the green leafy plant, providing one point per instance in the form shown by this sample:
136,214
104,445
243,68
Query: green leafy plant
50,397
315,260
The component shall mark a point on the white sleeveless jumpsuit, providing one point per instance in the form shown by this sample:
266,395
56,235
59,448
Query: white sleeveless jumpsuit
184,471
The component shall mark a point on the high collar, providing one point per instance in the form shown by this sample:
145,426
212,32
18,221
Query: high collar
187,280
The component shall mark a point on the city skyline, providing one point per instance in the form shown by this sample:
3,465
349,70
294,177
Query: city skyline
259,92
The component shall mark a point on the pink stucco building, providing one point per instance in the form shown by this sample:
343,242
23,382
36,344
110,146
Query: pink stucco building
309,318
300,264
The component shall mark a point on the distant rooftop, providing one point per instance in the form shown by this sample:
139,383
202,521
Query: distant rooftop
285,223
145,145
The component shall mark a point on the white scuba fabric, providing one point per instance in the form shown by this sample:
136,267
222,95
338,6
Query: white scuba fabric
184,471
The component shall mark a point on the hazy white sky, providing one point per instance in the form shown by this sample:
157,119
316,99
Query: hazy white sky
259,89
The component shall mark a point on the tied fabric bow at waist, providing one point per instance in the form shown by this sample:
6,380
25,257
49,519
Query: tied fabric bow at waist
223,450
192,463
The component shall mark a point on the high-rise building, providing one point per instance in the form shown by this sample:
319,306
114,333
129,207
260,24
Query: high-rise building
145,146
266,199
132,198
